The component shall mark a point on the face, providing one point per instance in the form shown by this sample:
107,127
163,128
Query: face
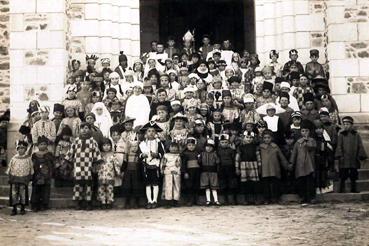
326,102
162,96
106,147
283,101
162,114
248,139
137,90
154,45
271,112
259,88
217,116
191,110
152,63
208,148
294,68
69,112
200,85
76,65
211,65
111,94
187,44
289,141
305,132
227,100
293,57
160,48
274,58
44,115
114,80
150,133
249,127
164,81
324,118
91,63
229,73
173,149
206,41
209,101
268,74
221,67
21,150
176,107
285,89
296,121
171,42
42,146
191,146
178,123
71,94
347,126
199,128
95,99
314,58
115,136
189,94
99,111
128,126
85,130
309,105
223,143
267,138
295,82
266,93
217,85
227,44
90,120
123,63
303,81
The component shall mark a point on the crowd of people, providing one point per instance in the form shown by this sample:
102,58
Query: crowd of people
183,122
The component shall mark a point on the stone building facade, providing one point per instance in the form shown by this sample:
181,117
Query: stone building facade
38,38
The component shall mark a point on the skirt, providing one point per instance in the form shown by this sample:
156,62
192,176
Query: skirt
209,180
249,171
132,184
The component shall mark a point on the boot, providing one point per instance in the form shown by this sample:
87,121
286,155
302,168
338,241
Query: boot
89,206
342,186
14,211
23,211
354,187
79,205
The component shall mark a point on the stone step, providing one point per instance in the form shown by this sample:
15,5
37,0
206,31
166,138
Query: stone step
60,192
362,185
363,174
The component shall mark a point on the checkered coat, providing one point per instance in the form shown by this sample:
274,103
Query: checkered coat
83,159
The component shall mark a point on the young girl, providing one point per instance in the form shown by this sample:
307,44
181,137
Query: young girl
63,171
71,120
191,169
132,185
43,165
303,161
72,101
103,118
171,168
44,127
209,163
248,167
230,112
216,125
106,173
179,132
20,171
271,161
164,83
248,114
162,119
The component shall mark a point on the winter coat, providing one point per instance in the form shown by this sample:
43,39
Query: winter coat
271,160
302,157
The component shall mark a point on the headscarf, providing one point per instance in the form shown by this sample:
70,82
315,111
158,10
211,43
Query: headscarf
103,121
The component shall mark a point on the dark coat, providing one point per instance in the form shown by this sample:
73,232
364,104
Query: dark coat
302,157
271,160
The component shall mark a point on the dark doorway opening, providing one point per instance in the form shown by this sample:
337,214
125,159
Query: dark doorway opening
221,19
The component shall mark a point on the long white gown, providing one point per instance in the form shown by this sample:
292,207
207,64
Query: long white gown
138,107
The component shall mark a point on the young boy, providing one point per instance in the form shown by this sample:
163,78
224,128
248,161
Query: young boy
303,161
314,68
209,163
20,171
152,151
227,172
84,154
43,164
350,151
58,115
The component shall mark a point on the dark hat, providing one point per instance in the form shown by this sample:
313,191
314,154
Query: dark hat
206,36
273,53
348,119
314,52
294,75
58,107
308,97
284,94
191,140
116,128
197,55
5,116
222,62
42,139
234,79
151,124
161,107
293,52
24,130
307,124
320,82
267,86
90,114
83,124
278,80
226,93
122,57
66,131
180,116
296,114
224,137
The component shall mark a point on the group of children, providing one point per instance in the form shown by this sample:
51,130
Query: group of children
178,123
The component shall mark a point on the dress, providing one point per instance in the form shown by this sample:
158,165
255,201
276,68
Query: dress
106,173
172,176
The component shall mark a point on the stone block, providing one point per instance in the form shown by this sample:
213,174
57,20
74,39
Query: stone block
338,85
278,6
135,32
352,107
357,49
357,13
317,22
76,11
48,75
287,7
58,57
114,30
135,45
134,4
343,32
288,24
105,45
336,50
302,40
115,46
357,85
92,45
17,94
364,102
304,54
16,58
259,28
269,10
278,42
92,11
259,44
124,31
57,21
335,15
135,16
269,43
105,28
278,25
115,13
301,7
36,57
47,6
21,6
16,23
125,45
269,27
36,22
105,12
363,29
364,67
124,14
50,40
303,23
23,40
84,28
344,68
317,39
289,41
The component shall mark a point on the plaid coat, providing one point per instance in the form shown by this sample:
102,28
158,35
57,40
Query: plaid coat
84,154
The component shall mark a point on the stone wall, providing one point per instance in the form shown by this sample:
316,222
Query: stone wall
4,55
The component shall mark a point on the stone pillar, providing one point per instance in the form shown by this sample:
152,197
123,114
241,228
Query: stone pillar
38,57
104,28
4,55
348,54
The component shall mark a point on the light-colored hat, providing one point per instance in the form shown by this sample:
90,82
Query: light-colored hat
44,109
175,102
189,89
137,84
114,75
285,85
171,71
193,75
248,98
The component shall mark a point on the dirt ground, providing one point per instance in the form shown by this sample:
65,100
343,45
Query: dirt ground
322,224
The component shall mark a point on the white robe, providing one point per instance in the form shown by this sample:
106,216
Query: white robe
138,107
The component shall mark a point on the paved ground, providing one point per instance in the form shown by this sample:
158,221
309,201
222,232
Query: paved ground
323,224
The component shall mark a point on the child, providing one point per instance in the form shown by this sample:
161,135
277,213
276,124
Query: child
72,101
230,112
191,170
179,132
309,112
171,168
152,150
128,135
58,115
95,97
162,119
216,125
4,121
295,127
314,68
293,61
267,96
103,118
118,148
44,127
303,161
20,171
63,171
248,114
350,151
43,164
84,154
271,161
106,174
70,120
227,172
248,167
209,163
132,185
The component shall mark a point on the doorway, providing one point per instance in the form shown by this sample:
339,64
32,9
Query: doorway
220,19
